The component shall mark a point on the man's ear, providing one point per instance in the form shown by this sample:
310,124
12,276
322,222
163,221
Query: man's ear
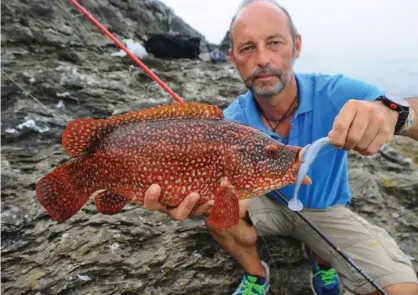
298,45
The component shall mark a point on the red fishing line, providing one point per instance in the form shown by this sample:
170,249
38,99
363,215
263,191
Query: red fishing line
130,54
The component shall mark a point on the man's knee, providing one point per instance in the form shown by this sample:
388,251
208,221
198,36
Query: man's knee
244,232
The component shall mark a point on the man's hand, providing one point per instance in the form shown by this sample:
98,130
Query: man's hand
363,126
180,213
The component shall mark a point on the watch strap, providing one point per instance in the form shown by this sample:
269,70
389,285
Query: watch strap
403,111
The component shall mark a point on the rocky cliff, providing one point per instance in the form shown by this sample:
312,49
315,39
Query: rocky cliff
64,61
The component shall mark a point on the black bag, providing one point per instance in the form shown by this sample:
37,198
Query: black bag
173,46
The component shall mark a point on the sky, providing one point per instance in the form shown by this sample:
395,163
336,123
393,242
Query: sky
368,28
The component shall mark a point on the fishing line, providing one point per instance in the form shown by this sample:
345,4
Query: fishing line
324,152
132,56
274,263
34,98
330,243
74,17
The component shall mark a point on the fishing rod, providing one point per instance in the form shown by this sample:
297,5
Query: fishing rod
130,54
178,99
347,258
308,157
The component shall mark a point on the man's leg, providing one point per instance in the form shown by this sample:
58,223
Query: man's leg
241,241
368,245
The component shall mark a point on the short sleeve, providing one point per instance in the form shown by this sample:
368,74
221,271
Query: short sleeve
341,89
235,111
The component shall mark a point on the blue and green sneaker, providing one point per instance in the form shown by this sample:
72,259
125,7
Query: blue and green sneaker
254,285
324,280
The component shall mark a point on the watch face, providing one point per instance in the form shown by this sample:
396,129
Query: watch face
397,100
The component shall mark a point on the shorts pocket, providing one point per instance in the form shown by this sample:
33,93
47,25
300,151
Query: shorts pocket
388,243
390,246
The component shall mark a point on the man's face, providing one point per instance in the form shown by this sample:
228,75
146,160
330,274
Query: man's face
263,49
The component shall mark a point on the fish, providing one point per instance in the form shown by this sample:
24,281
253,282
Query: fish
184,148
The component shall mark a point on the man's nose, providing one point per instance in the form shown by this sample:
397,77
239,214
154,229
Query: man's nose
263,58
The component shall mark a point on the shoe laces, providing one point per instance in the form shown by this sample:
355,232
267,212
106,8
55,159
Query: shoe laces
251,285
327,276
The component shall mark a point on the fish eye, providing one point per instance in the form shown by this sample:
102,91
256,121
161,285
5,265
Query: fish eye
272,151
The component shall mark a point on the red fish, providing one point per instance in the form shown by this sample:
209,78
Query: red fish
189,148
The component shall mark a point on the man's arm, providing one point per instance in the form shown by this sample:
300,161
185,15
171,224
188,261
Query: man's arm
364,126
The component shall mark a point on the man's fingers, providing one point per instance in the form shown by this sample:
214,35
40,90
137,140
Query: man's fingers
342,123
205,208
369,135
382,137
183,210
357,129
151,199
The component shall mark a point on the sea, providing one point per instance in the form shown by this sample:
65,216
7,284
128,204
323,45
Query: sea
398,76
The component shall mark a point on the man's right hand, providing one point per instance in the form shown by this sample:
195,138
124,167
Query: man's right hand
185,209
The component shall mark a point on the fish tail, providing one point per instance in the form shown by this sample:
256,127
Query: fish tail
63,196
81,134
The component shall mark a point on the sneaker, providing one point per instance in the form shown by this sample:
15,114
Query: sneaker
324,280
254,285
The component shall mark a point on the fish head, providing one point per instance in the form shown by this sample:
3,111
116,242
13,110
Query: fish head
269,165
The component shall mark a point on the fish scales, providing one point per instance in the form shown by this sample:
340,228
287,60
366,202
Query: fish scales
195,151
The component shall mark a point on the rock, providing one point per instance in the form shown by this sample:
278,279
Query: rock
226,42
65,64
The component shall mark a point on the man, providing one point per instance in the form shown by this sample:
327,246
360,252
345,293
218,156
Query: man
298,109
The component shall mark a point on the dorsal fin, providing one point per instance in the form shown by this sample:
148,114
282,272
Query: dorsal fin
81,134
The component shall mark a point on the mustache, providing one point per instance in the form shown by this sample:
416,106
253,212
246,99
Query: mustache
265,71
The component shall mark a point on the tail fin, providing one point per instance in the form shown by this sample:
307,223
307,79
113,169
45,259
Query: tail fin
60,195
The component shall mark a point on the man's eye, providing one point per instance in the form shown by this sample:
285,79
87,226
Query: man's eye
247,48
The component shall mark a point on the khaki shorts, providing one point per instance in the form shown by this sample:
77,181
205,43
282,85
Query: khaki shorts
370,246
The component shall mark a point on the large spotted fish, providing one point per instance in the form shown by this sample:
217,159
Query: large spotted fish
189,148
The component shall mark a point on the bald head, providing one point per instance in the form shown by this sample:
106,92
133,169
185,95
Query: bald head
264,45
257,8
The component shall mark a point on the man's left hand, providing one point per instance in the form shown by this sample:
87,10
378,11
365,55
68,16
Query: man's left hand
363,126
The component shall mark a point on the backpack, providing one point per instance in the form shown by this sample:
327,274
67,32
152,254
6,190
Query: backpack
173,46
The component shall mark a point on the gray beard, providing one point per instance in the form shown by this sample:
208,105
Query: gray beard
268,91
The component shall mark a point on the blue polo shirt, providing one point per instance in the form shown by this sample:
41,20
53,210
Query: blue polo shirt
320,99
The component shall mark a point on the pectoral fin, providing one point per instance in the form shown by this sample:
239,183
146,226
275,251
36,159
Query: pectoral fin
225,212
109,203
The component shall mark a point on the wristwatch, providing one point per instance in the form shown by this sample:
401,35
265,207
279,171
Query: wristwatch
397,104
